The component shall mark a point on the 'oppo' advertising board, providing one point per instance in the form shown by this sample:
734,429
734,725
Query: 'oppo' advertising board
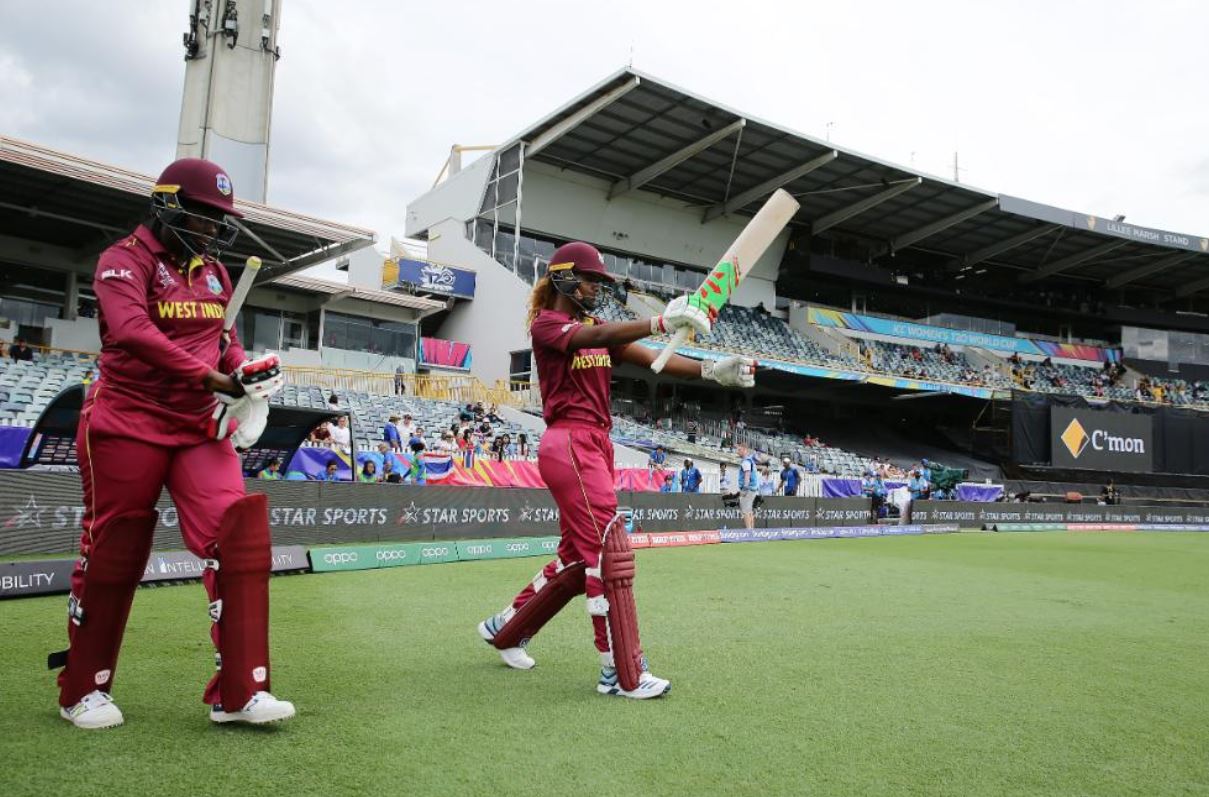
1096,440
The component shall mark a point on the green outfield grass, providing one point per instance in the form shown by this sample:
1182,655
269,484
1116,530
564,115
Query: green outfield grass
965,664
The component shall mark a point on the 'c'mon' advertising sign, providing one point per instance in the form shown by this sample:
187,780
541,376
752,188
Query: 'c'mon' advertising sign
1098,440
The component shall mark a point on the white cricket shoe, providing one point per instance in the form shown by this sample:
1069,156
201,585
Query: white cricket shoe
517,658
648,687
262,708
95,710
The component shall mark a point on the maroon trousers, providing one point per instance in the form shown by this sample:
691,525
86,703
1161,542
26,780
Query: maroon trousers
122,474
576,462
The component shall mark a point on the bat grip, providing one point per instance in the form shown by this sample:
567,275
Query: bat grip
678,340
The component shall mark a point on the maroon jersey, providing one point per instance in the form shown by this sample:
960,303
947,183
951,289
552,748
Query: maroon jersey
574,382
160,322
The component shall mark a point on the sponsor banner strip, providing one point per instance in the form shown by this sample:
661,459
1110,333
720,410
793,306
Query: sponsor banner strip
53,576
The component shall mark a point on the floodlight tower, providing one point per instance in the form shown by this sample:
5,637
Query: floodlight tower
231,56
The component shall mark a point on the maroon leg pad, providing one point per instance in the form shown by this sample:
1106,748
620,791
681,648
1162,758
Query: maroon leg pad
547,601
103,588
617,572
242,587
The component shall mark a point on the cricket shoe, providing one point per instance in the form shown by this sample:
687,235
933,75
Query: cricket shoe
95,710
648,687
516,658
262,708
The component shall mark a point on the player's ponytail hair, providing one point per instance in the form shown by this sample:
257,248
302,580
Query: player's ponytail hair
542,298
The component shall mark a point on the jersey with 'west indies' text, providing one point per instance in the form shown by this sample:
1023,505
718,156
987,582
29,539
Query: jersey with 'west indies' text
574,382
161,324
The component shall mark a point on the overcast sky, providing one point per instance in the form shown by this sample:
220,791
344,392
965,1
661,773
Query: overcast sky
1097,106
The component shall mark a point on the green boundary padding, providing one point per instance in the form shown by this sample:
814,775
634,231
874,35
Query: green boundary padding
372,556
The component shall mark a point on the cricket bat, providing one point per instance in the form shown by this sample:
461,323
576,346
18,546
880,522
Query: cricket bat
756,237
241,292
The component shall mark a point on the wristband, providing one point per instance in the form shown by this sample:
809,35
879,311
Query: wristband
657,327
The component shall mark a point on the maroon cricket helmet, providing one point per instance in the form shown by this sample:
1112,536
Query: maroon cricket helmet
579,258
199,182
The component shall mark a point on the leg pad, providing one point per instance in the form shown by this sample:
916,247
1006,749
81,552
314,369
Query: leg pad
547,601
617,571
111,569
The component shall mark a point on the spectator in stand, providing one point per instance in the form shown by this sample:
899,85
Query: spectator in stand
690,430
416,474
657,458
369,472
690,478
341,437
333,402
522,446
389,474
791,477
666,479
331,472
726,484
271,470
1109,494
21,352
87,378
400,380
390,434
767,486
917,486
446,445
812,464
321,434
407,427
416,443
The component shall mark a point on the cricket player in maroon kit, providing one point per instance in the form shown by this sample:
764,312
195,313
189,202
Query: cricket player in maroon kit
575,355
174,398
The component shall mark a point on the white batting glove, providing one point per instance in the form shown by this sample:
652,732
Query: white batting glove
260,378
241,419
731,371
682,312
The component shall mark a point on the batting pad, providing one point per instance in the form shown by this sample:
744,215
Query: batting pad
97,615
617,572
242,585
546,602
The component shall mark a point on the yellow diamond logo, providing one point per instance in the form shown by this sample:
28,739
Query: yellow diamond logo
1075,438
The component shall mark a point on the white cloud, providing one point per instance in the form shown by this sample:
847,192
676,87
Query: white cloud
1095,106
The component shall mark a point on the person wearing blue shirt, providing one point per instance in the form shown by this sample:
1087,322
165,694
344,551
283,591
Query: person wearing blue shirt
791,477
669,481
657,458
331,474
390,434
874,488
917,486
749,484
767,487
690,478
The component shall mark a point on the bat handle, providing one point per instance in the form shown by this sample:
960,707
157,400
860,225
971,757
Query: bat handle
678,340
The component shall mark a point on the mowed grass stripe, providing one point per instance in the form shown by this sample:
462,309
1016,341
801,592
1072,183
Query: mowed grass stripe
963,664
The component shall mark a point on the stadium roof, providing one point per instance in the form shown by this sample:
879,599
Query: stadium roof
639,132
62,199
344,290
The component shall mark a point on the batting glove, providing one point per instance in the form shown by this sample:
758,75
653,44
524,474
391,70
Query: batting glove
731,371
260,378
684,311
241,419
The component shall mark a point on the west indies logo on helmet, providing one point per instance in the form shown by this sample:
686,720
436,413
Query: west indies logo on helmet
574,262
191,197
